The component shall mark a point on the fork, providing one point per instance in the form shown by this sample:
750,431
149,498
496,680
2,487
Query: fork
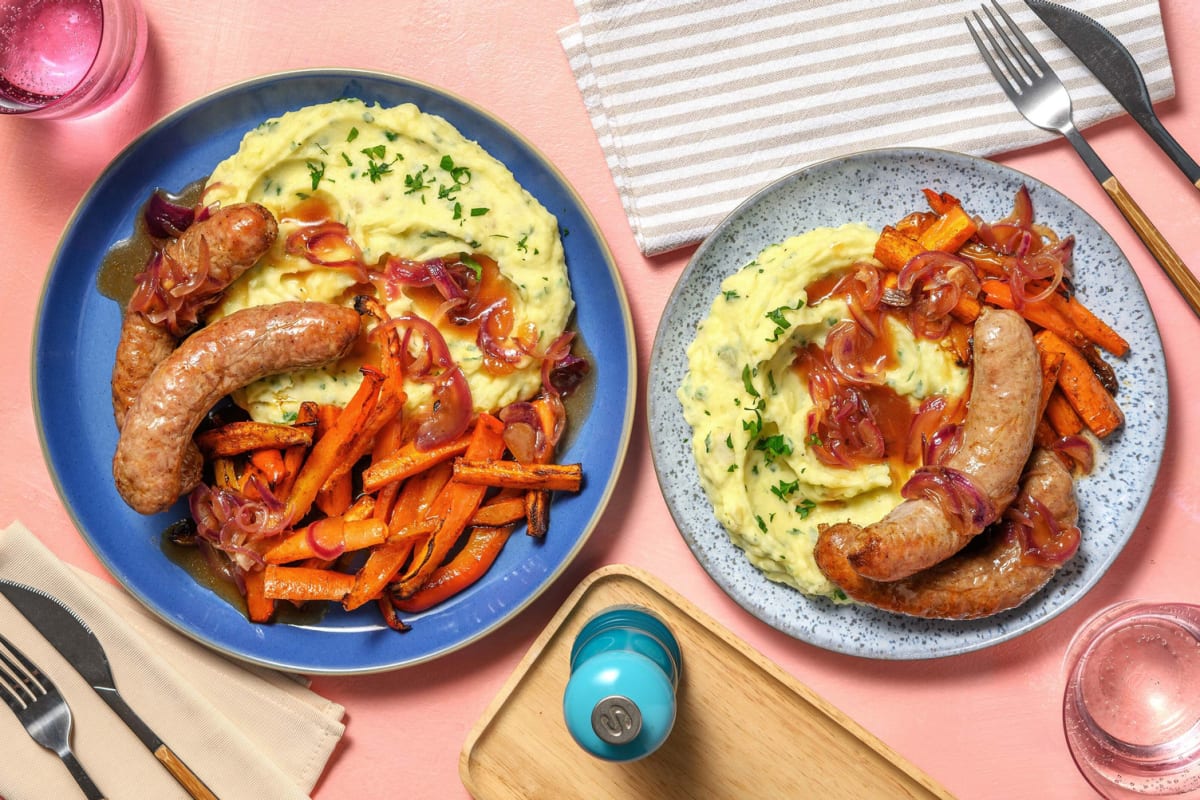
1040,96
42,710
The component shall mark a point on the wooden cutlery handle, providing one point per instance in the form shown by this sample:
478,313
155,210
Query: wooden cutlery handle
1167,258
187,779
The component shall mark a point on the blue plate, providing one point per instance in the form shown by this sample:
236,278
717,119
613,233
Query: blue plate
76,337
879,187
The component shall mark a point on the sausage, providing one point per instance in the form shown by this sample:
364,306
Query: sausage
225,244
997,439
154,463
143,346
989,576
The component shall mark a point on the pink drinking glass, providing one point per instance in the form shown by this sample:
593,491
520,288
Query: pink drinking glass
1131,710
68,58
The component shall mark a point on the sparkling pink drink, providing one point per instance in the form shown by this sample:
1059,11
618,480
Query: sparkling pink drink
67,57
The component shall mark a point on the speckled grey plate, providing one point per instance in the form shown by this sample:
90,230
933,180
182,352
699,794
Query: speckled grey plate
879,187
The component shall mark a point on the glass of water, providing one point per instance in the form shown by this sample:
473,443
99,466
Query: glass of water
68,58
1131,709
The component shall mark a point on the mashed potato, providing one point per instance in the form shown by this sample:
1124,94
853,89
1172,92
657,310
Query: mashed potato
405,184
770,493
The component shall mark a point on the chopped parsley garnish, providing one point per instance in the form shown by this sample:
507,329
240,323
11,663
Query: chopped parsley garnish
415,182
460,175
729,441
474,266
522,243
762,526
730,295
316,173
812,440
378,152
781,322
479,212
346,158
774,447
746,376
805,508
784,489
350,137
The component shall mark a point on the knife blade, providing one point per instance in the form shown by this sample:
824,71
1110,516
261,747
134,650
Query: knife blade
1114,66
72,637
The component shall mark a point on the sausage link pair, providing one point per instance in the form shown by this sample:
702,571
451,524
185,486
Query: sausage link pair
990,576
225,244
155,461
997,439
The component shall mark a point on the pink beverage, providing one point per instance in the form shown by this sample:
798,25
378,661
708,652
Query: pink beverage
47,47
63,58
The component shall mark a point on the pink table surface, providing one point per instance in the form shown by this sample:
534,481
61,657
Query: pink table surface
985,724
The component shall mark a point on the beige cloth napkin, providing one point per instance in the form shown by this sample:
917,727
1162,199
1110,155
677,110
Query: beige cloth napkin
699,103
247,733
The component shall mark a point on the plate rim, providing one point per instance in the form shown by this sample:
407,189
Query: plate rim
651,404
628,411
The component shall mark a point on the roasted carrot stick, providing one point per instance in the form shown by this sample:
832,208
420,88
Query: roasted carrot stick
386,560
355,535
1093,328
515,475
408,460
1061,415
893,249
246,435
1050,363
470,564
940,202
301,583
457,502
1079,384
333,447
259,608
500,512
949,232
1041,313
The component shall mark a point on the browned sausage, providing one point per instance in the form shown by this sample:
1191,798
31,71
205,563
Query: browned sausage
997,439
989,576
153,466
143,347
224,245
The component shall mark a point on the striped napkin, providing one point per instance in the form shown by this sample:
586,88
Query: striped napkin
700,103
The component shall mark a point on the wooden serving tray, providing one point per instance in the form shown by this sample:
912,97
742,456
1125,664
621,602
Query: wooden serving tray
743,727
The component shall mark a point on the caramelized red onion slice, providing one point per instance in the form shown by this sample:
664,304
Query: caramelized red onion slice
846,431
495,325
847,346
1079,450
328,244
1043,541
327,537
433,272
966,505
523,431
562,372
452,408
166,219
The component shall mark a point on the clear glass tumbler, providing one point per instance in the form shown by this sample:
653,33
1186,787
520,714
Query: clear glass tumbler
68,58
1131,710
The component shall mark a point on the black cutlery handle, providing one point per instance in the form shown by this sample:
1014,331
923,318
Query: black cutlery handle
81,777
1163,138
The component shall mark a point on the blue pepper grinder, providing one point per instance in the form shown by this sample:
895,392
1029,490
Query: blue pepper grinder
619,704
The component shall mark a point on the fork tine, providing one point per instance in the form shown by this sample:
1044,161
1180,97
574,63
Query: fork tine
1001,77
1031,52
1018,66
26,679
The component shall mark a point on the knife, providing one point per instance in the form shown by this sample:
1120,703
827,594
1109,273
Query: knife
74,639
1113,66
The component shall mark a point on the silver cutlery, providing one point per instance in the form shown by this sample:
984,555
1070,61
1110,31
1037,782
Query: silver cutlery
74,639
42,710
1108,60
1042,99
